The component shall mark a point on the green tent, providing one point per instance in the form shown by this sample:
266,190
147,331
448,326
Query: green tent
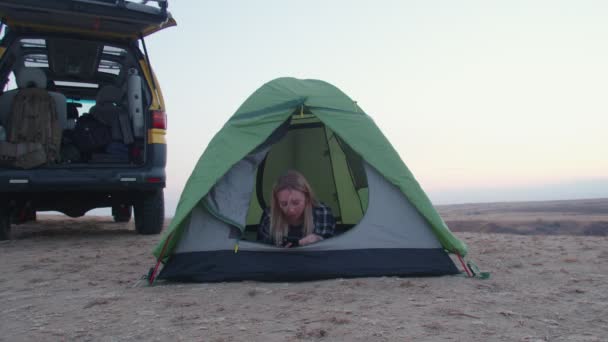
388,223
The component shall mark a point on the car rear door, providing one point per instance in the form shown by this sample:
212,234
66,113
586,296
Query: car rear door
106,18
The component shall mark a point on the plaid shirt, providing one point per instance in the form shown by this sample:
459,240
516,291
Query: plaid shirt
323,219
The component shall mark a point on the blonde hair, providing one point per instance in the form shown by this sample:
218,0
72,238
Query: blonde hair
292,180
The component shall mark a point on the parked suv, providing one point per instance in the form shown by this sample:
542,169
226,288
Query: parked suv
90,57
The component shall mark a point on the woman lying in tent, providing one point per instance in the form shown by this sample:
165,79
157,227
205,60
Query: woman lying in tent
296,218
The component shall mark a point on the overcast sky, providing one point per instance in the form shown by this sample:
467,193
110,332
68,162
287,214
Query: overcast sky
483,100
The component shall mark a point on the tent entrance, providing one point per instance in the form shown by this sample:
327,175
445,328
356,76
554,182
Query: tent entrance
334,171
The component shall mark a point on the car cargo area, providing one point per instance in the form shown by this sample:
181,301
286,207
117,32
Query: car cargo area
93,99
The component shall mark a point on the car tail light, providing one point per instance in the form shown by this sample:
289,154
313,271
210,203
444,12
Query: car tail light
159,119
153,180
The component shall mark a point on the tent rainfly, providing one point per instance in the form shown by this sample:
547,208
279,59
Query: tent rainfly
386,224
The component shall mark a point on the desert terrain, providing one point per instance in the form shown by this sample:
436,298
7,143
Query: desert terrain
64,279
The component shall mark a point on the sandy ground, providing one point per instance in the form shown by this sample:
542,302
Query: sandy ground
65,279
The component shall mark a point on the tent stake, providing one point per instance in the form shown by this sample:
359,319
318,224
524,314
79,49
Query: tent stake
464,265
160,258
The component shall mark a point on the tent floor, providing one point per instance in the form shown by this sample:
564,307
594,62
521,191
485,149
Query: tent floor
293,265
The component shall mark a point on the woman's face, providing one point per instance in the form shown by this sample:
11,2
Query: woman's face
291,203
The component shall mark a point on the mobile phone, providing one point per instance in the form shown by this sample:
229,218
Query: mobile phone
295,242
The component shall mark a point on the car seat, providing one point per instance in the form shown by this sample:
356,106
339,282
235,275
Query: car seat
108,110
32,78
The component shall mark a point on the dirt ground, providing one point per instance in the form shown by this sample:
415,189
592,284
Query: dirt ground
65,279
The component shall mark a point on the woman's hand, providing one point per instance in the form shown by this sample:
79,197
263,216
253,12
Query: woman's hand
308,239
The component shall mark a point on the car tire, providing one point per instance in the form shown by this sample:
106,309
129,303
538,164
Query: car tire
5,224
122,213
150,213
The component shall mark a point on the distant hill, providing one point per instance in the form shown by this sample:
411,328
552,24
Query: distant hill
571,217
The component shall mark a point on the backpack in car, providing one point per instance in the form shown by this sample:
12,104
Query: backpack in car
91,134
117,119
33,119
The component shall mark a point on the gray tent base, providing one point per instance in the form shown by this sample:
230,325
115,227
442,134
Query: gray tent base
226,265
392,239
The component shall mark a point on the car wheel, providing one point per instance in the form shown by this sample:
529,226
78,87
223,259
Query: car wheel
150,213
122,213
5,224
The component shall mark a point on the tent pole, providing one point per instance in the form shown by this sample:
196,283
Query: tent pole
464,265
160,258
